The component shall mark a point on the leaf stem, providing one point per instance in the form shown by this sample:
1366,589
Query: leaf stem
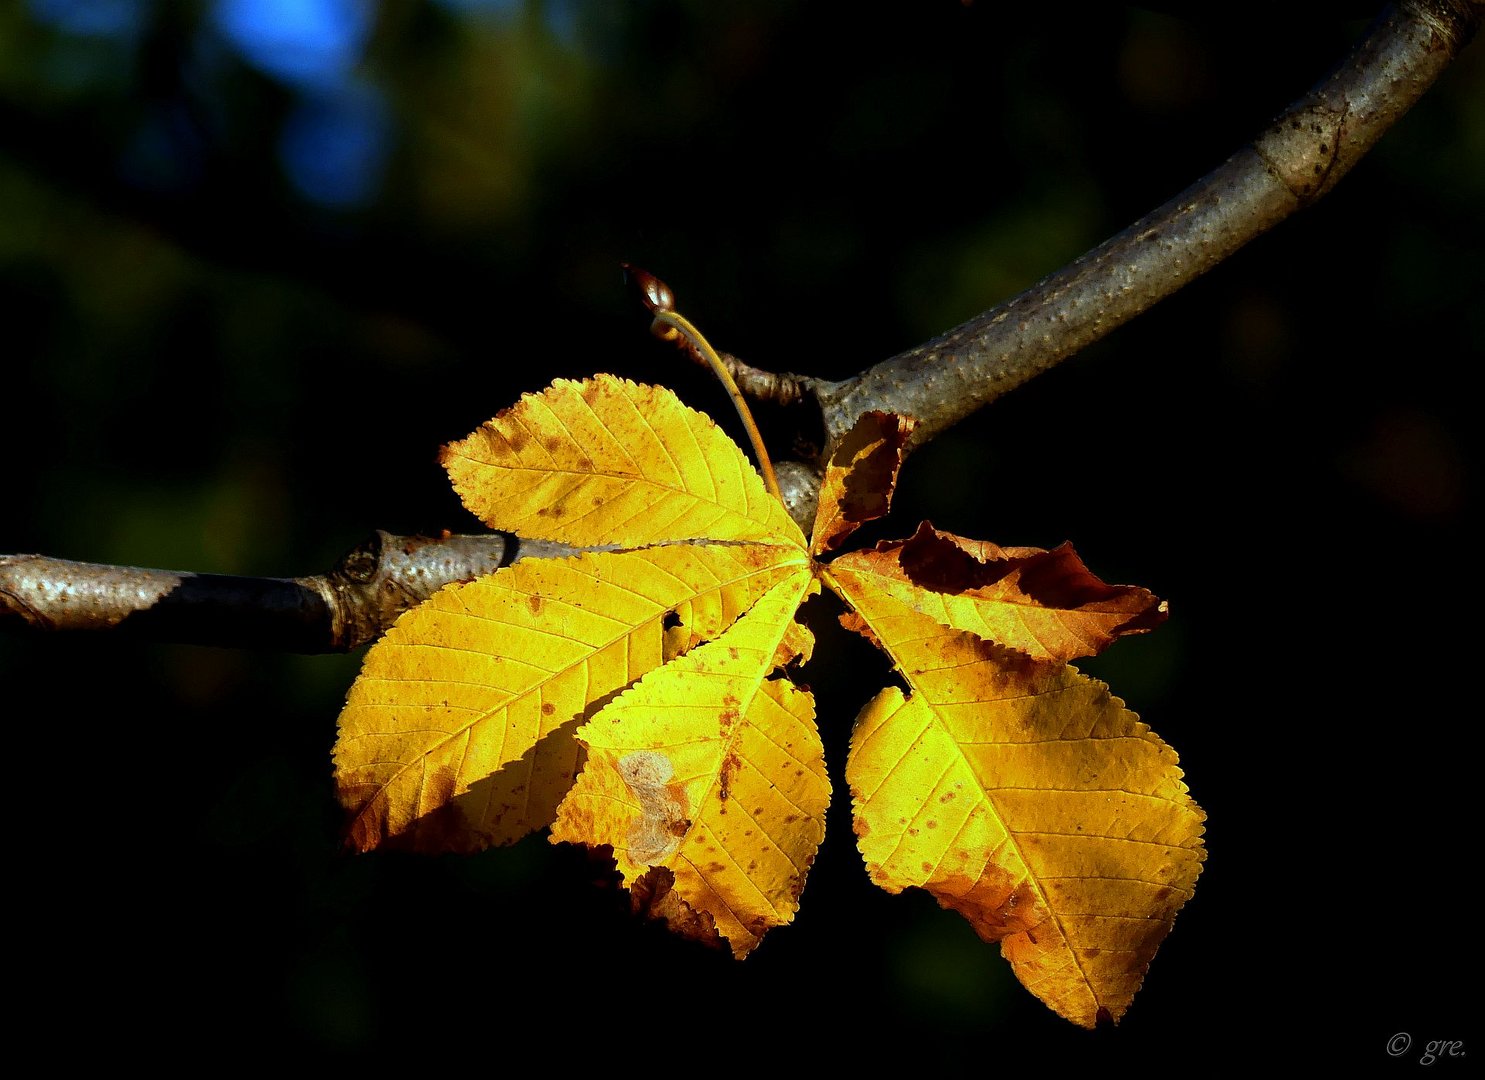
683,325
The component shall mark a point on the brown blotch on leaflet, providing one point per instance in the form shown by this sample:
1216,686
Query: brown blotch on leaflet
730,765
995,904
653,837
516,438
943,562
535,603
866,461
758,925
856,624
653,896
547,708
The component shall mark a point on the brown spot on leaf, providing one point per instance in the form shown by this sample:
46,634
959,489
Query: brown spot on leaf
730,765
654,897
1056,579
535,603
943,562
995,904
796,886
860,476
855,623
653,837
515,437
547,708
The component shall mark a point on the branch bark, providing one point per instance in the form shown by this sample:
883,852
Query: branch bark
1296,160
1300,157
355,602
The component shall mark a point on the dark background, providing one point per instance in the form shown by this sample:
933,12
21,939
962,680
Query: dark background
259,259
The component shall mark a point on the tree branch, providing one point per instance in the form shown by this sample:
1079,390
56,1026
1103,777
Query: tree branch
355,602
1300,157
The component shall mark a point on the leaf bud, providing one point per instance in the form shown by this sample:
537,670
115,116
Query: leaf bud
653,293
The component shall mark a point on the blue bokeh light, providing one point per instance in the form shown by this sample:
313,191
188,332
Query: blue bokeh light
334,147
304,43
